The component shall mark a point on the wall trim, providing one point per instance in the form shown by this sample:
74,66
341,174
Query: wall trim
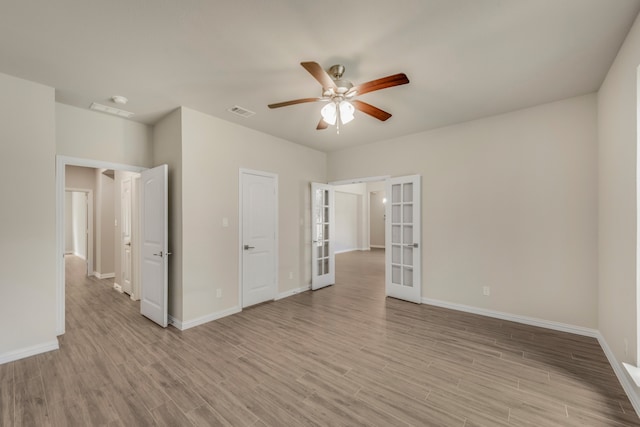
377,246
292,292
347,250
620,371
104,275
44,347
181,325
532,321
117,287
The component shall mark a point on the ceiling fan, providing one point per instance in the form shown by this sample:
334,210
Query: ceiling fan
340,95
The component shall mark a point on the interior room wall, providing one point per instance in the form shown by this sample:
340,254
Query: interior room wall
617,208
348,217
68,222
377,216
167,149
362,229
92,135
105,224
213,151
509,202
79,223
78,177
27,246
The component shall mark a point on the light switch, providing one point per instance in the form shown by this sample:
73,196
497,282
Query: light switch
225,222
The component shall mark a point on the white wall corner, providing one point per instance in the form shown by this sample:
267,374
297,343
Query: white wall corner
104,275
10,356
291,292
184,325
175,323
628,375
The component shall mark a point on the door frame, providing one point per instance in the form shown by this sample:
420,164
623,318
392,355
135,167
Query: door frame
90,214
276,262
61,163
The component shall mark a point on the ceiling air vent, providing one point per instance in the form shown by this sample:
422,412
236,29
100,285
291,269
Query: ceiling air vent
111,110
240,111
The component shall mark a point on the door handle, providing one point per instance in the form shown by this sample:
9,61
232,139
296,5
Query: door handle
128,244
411,245
247,247
162,254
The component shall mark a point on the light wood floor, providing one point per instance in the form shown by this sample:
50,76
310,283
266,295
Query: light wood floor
343,355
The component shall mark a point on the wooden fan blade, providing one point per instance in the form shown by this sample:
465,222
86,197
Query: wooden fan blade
370,110
383,83
322,125
295,101
319,74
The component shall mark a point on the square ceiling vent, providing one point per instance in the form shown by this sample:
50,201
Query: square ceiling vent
243,112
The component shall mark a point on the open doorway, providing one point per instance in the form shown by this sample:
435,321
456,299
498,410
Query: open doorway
402,233
101,182
112,213
360,233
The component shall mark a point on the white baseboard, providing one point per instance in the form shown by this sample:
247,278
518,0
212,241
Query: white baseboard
291,292
117,287
346,250
10,356
621,373
533,321
203,319
104,275
377,246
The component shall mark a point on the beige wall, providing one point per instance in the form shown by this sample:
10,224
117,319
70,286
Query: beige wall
348,225
27,245
83,178
376,215
92,135
508,202
167,149
213,151
105,220
617,160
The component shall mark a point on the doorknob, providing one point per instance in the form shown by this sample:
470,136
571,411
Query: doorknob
412,245
128,244
247,247
162,254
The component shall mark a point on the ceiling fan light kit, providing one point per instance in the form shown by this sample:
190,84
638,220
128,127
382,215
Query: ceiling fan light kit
340,95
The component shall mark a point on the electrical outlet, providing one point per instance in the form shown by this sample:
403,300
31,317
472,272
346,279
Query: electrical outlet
218,293
486,291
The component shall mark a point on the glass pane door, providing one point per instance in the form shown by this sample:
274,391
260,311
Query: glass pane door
403,239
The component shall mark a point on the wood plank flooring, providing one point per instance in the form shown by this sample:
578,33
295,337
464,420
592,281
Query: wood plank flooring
340,356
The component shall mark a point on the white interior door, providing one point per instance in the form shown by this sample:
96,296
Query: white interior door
154,246
322,235
258,236
126,238
402,237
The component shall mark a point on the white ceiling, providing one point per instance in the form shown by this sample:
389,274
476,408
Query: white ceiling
465,59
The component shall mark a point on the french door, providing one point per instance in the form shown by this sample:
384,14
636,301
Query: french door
322,235
402,246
